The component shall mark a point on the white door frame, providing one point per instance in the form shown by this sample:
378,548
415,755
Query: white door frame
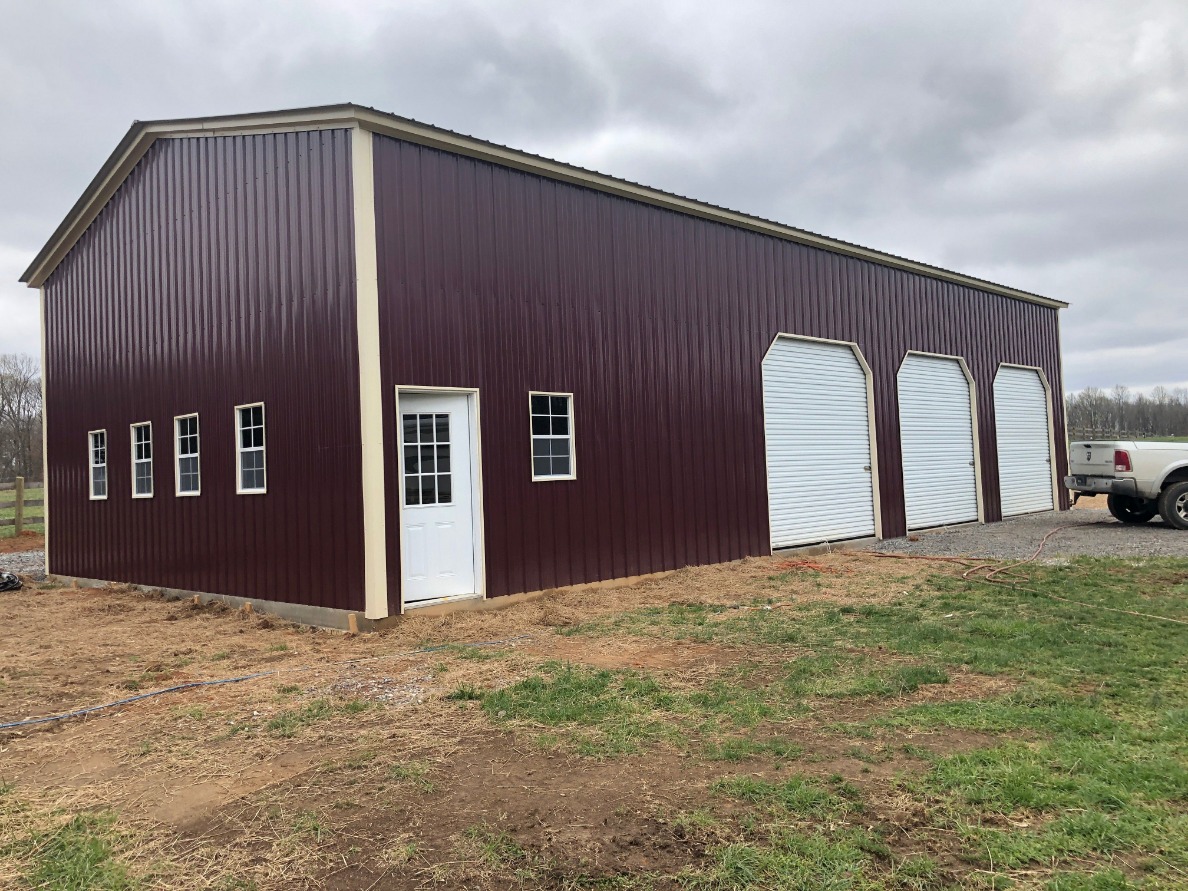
973,413
872,427
476,486
1056,482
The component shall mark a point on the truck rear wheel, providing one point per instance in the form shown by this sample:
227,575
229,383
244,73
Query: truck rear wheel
1127,509
1173,505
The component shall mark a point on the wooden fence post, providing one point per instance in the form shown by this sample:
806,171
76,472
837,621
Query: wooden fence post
20,504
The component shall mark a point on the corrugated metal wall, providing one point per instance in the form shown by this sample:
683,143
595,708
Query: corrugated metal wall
658,323
221,273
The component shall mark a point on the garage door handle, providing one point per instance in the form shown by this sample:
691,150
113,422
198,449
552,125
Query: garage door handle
867,468
971,464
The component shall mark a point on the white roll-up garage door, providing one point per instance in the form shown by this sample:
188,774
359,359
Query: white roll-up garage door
1024,449
936,434
817,428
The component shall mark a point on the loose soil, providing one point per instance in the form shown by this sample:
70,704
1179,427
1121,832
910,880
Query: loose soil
347,767
26,541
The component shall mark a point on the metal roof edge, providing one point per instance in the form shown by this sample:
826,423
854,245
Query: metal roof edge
141,135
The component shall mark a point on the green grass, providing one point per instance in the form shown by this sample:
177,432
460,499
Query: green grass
289,722
1089,759
77,856
414,773
607,712
34,516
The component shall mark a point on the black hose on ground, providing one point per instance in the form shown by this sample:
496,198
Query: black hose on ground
9,582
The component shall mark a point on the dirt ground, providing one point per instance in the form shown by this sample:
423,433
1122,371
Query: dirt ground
26,541
351,761
216,785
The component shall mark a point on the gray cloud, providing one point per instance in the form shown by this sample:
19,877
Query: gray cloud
1040,145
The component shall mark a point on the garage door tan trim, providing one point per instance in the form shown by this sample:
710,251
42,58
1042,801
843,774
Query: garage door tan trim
870,417
973,411
1051,426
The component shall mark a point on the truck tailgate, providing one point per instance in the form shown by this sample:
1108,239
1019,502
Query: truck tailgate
1091,458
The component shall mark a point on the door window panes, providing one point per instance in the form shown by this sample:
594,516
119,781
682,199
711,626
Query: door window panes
428,475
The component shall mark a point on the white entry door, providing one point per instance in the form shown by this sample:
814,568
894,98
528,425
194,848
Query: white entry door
1024,448
936,436
816,422
437,498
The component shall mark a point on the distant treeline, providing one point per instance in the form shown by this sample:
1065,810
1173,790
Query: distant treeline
1119,413
20,418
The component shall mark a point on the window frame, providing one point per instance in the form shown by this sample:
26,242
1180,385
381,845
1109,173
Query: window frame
91,466
132,455
177,455
572,437
239,449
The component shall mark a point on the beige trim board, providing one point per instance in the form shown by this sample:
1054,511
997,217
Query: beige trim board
142,135
45,477
371,400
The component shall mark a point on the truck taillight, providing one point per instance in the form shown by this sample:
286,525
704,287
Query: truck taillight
1121,461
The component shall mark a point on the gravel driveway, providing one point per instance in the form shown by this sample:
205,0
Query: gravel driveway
1094,533
23,562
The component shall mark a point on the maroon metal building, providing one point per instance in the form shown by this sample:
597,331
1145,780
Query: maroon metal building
333,361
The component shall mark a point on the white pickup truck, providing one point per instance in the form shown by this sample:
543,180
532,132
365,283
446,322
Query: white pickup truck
1141,478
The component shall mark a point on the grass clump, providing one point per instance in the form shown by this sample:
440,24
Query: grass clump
415,773
289,722
797,795
608,712
78,855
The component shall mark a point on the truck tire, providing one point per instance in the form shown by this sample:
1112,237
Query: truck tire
1173,505
1126,509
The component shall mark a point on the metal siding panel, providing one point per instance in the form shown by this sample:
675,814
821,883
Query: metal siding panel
221,272
1021,427
658,323
936,430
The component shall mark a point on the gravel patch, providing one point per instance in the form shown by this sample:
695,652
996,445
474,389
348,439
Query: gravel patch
1092,533
30,563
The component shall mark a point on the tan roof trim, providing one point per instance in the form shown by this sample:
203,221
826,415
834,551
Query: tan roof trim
142,135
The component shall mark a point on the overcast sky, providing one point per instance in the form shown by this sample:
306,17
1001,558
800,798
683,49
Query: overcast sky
1041,145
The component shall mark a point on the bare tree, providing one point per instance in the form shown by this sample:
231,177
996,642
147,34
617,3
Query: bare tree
1094,414
20,417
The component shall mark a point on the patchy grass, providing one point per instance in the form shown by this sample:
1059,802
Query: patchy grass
1092,762
414,773
943,734
81,854
609,712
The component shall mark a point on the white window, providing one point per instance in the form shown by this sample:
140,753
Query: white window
97,445
552,436
249,440
142,460
185,446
